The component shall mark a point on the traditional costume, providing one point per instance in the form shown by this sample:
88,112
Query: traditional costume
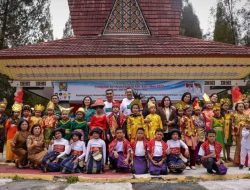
37,120
11,129
116,121
155,122
36,149
174,161
140,161
207,113
189,134
99,121
95,154
58,150
19,148
49,123
78,151
158,151
65,124
3,119
27,118
123,148
245,144
210,163
81,126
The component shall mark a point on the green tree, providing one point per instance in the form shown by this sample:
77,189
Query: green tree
245,26
226,24
24,22
68,30
190,24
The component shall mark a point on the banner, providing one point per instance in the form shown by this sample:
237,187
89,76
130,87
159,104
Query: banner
77,90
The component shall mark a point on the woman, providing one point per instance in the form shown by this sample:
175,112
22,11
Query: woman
36,146
89,112
238,118
186,98
19,144
168,112
214,98
246,101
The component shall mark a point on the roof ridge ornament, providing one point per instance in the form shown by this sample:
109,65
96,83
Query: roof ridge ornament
126,18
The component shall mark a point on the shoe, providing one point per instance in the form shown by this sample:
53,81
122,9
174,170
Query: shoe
241,167
210,171
193,167
188,168
249,169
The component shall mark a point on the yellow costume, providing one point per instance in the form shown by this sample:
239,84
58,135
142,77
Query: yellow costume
133,123
153,125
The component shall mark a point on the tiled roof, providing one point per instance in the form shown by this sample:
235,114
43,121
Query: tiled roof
90,16
89,46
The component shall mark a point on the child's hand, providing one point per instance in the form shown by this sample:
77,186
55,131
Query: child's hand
186,154
116,155
126,162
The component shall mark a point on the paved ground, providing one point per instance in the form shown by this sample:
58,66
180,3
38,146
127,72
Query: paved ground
46,185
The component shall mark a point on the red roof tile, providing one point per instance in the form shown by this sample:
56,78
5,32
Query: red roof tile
90,16
84,46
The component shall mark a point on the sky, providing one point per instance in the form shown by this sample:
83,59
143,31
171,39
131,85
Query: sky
60,13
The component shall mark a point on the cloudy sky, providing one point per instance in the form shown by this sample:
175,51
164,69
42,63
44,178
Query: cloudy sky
60,14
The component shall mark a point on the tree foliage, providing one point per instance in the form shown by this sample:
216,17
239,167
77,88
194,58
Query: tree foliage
190,24
68,30
24,22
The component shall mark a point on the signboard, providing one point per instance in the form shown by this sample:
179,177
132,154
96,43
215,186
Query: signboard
77,90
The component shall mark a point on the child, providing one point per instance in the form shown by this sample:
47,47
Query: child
49,123
11,129
58,148
37,118
135,121
26,113
210,152
217,123
80,125
120,152
3,119
74,162
99,119
199,123
139,152
189,135
154,120
96,152
115,120
179,115
65,122
175,163
157,154
245,144
208,111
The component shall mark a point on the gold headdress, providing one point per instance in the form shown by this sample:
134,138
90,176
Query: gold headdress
137,100
245,97
150,104
80,110
3,103
206,98
225,101
216,107
16,107
196,105
67,110
39,107
51,105
180,105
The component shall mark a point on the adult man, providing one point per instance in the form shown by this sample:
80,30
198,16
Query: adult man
125,105
57,108
108,104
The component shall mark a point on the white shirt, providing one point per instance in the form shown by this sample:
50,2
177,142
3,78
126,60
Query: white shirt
245,141
96,143
79,146
158,148
139,149
211,150
61,141
176,145
125,106
119,146
167,113
108,108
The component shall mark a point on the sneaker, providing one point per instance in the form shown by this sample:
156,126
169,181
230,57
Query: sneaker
193,167
210,171
241,167
188,168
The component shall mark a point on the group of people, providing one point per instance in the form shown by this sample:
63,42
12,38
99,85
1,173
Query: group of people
128,136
